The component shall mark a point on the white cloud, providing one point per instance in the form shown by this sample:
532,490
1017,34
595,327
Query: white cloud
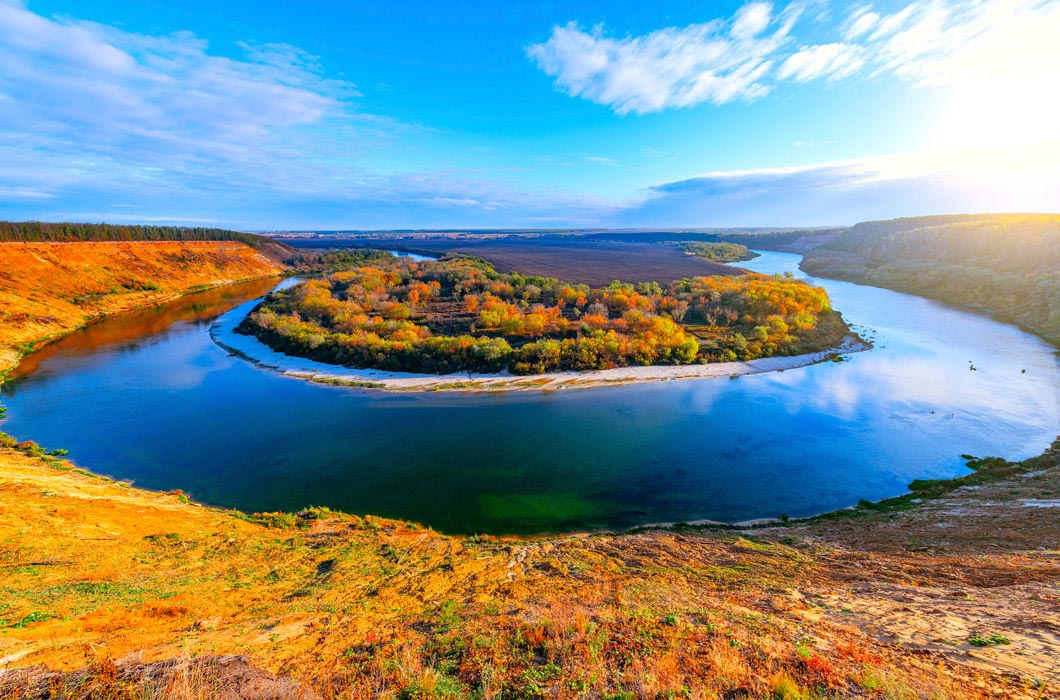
602,160
79,75
86,104
456,202
861,22
715,62
751,20
945,43
889,24
832,60
23,193
657,153
925,43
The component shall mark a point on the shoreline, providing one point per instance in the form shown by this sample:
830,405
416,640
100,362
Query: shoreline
251,349
9,362
983,471
7,367
177,280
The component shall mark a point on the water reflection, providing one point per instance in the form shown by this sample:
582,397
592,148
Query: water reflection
134,329
156,401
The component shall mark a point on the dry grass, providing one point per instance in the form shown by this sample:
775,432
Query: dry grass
108,581
183,678
48,289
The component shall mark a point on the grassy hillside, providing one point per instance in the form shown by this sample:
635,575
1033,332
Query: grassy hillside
48,289
101,575
1007,264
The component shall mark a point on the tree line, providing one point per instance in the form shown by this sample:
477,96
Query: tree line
42,232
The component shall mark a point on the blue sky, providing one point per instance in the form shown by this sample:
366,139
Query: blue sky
296,115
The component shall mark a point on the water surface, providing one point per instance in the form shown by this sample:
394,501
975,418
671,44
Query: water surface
162,405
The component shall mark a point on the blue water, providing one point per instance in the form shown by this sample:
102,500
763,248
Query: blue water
170,409
415,257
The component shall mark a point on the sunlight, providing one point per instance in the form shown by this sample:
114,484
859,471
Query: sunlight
998,114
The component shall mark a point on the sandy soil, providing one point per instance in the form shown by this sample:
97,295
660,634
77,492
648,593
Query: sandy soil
983,560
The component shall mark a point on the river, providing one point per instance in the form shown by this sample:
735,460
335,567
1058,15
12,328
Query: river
148,397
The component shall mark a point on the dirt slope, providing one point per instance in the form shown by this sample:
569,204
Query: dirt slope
48,289
101,575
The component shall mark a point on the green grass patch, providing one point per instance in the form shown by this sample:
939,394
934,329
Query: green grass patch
993,640
30,619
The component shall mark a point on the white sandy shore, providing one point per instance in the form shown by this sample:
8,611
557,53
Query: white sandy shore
255,351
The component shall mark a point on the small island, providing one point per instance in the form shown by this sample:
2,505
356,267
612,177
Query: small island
459,314
719,252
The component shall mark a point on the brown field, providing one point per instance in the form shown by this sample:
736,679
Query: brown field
579,260
49,289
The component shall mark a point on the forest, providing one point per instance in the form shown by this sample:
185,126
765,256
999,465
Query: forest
1005,264
41,232
460,314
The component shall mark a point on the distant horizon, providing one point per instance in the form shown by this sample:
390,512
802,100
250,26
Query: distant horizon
551,229
632,229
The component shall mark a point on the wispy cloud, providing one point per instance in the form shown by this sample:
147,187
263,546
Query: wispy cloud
102,123
88,105
941,43
833,61
926,43
856,190
99,123
861,21
602,160
23,193
87,78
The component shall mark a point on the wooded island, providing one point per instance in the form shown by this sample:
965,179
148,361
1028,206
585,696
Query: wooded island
460,314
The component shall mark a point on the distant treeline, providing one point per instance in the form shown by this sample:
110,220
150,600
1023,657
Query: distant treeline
40,232
309,262
1007,264
719,252
785,241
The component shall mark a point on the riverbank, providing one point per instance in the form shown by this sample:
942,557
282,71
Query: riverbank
878,602
1001,265
250,348
50,289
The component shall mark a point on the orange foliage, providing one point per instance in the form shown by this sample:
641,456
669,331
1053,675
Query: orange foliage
383,316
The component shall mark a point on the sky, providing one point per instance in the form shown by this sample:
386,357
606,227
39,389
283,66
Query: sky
314,114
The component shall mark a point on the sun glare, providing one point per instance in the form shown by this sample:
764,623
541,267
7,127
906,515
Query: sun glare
998,114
